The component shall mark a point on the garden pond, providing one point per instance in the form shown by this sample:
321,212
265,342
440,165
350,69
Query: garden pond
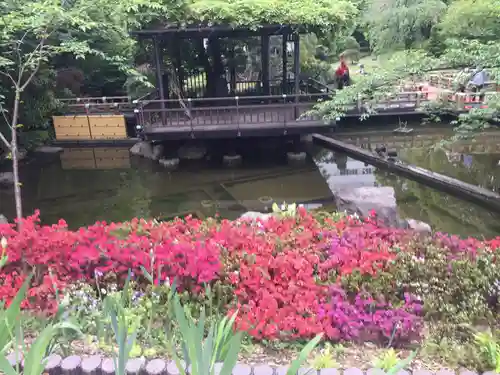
87,184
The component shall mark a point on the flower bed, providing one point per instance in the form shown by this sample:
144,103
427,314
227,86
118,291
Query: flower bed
290,278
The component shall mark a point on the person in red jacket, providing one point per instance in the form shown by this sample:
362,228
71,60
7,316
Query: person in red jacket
342,74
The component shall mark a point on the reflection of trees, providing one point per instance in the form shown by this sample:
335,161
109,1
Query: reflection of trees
324,157
482,171
442,211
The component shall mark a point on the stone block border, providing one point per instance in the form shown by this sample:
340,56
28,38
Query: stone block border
98,365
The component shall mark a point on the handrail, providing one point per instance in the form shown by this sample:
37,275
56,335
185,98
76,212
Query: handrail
104,99
236,98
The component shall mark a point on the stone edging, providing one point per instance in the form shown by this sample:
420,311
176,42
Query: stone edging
97,365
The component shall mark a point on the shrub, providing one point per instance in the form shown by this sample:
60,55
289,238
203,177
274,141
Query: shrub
364,318
290,277
455,286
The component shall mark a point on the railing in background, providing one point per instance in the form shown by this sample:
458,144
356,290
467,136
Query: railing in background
195,87
98,105
446,80
462,102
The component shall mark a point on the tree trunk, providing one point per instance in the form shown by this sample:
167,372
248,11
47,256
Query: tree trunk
15,161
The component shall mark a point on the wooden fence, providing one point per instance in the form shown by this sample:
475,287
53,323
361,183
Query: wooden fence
447,81
90,127
97,365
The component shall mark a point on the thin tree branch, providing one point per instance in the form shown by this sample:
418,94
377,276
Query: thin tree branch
35,71
4,115
9,76
18,52
31,55
4,140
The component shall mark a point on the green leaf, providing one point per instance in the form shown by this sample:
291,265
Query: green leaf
232,354
147,275
304,353
402,364
5,367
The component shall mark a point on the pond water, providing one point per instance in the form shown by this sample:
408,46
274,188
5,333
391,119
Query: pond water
83,185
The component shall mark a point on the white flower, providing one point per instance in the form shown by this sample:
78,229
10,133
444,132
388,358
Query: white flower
3,243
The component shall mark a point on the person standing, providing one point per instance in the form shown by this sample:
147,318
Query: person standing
477,82
342,74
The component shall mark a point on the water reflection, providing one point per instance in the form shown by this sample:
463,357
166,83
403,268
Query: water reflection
89,184
83,185
473,160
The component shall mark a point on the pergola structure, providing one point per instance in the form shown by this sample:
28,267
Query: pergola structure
171,39
199,94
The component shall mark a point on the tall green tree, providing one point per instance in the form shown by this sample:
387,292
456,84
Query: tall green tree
33,32
400,24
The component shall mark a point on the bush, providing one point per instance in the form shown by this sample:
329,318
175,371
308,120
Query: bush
290,277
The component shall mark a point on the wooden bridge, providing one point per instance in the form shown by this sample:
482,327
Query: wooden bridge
229,117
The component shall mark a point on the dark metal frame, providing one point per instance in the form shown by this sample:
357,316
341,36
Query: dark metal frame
171,34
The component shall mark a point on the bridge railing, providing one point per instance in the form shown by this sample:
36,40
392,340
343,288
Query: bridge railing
462,102
280,110
97,105
447,81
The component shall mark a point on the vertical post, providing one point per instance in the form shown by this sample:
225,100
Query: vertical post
232,73
296,71
284,57
159,76
176,41
264,59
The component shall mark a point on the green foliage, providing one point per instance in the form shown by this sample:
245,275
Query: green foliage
456,289
36,357
304,353
435,45
489,348
387,360
472,19
372,87
325,359
286,210
401,364
124,328
324,15
201,352
399,24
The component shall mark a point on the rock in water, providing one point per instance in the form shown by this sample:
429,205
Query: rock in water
158,151
419,226
363,200
3,219
144,149
6,178
171,164
252,216
192,152
49,149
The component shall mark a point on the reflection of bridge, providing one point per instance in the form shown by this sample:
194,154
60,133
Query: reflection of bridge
119,182
482,143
